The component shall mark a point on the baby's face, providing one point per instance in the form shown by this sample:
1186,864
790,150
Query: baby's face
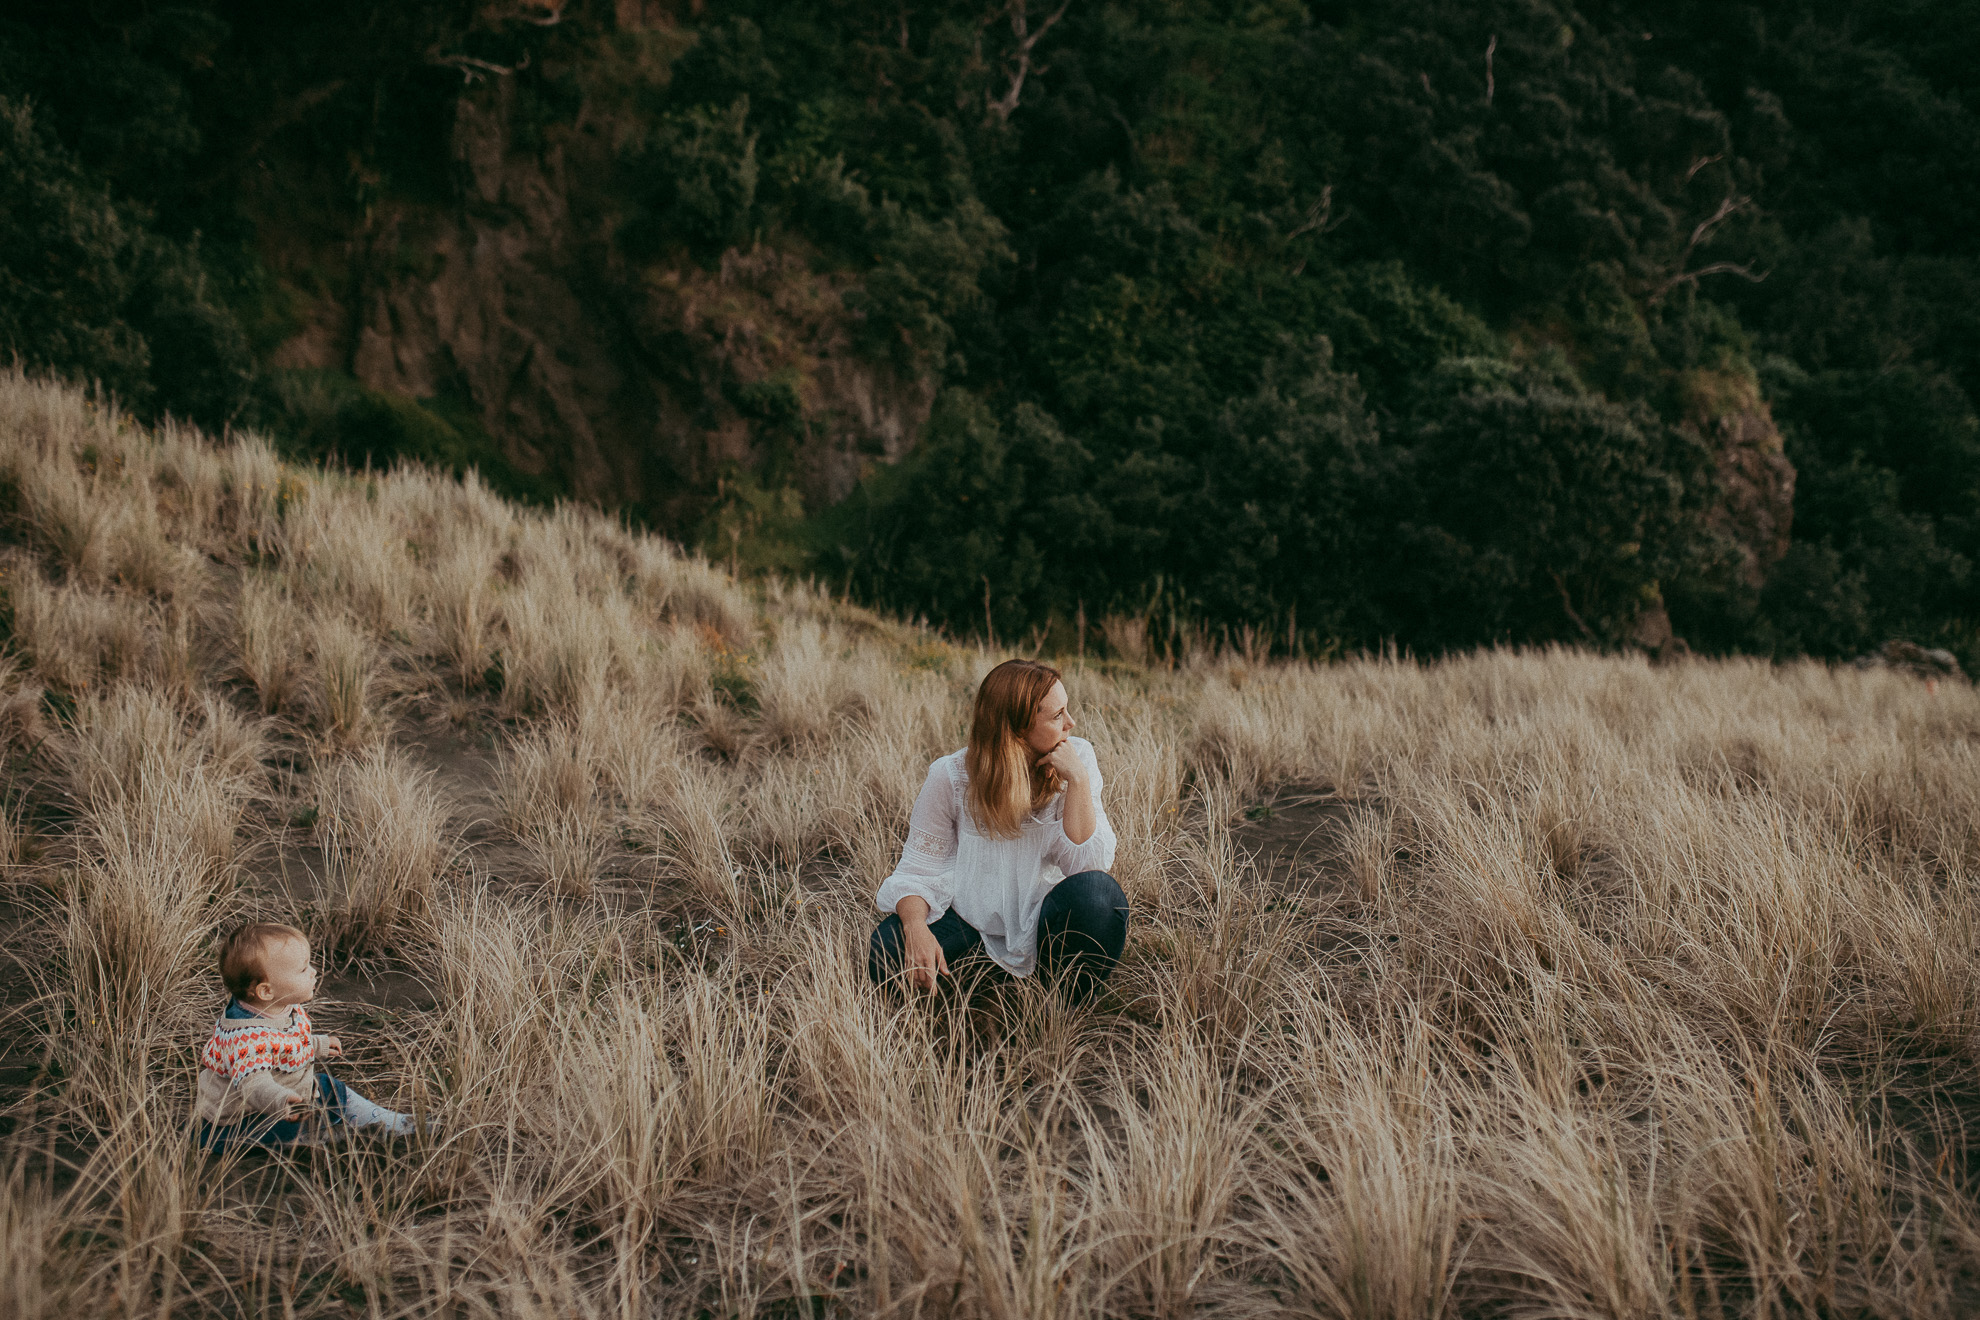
289,978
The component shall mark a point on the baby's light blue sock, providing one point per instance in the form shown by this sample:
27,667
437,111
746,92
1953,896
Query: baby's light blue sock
362,1113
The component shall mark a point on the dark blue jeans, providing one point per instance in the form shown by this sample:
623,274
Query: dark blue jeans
266,1129
1081,931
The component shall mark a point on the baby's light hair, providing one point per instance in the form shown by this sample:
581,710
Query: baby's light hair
244,954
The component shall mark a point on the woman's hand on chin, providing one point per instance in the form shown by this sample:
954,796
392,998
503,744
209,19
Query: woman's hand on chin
1066,761
1078,819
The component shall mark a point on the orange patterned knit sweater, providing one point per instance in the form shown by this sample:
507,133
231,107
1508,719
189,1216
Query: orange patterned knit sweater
252,1065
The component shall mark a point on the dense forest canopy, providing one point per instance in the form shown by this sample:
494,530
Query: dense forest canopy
1348,323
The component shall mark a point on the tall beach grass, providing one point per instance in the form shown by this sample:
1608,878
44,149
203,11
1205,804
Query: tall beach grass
1602,989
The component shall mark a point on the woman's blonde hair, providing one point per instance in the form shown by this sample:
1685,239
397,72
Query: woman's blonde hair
1005,780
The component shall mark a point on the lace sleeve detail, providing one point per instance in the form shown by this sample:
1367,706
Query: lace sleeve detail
929,855
930,845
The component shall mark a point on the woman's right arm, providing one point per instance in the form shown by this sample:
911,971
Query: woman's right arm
929,854
926,963
919,891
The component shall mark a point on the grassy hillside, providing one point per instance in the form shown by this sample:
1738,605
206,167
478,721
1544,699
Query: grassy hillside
1534,983
1263,313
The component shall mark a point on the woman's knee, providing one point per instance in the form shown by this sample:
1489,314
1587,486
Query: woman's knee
1091,900
1085,931
1097,887
1087,914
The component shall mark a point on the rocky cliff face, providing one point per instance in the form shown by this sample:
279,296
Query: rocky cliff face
1755,510
631,384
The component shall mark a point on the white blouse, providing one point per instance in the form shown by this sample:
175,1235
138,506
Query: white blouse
996,885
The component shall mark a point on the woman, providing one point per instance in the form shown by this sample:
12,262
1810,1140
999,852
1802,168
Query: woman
996,826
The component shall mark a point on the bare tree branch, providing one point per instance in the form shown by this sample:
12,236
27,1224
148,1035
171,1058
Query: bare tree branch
1743,269
1318,215
1730,206
1700,164
473,69
1319,219
1727,208
1490,47
541,13
1567,604
1728,268
1021,66
549,12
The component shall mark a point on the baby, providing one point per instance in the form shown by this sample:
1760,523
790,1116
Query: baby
258,1077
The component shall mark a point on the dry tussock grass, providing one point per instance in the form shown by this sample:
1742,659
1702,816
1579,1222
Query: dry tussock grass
549,789
387,839
344,660
1620,991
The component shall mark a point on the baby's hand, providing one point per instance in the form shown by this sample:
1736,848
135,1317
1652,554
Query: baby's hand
332,1048
297,1104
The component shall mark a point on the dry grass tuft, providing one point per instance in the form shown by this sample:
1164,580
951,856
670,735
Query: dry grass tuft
138,914
688,830
348,557
386,841
76,637
693,592
267,623
1127,637
812,685
345,674
558,652
146,778
461,599
548,790
15,838
22,725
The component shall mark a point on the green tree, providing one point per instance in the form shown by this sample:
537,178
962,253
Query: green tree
1281,521
1529,510
989,513
89,291
696,179
1887,512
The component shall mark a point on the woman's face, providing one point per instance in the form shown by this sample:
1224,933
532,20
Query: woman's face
1051,723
